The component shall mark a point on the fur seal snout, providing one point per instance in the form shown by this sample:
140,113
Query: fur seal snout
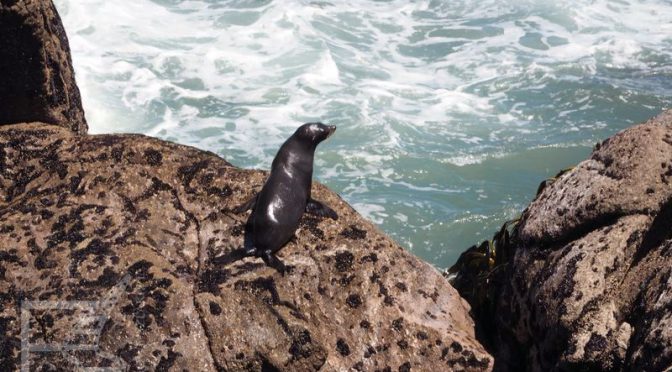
278,207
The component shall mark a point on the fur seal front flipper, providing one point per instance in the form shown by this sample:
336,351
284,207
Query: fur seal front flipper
319,209
278,207
247,205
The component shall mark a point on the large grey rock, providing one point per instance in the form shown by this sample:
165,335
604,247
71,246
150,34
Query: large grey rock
589,285
79,213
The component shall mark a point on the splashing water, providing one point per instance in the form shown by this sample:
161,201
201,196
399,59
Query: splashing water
449,113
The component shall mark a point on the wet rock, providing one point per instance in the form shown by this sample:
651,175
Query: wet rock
589,285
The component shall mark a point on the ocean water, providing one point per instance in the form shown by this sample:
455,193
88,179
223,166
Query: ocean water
449,113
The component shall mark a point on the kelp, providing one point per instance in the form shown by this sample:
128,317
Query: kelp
479,270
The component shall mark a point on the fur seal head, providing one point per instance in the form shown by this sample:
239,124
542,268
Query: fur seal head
314,132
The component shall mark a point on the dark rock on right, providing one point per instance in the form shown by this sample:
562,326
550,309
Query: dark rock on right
589,285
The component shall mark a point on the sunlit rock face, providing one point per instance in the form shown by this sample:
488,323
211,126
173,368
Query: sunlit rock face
80,214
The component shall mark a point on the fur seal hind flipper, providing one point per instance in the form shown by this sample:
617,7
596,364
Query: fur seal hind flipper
319,209
272,261
250,204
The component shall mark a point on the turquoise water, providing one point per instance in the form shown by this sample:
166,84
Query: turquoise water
449,113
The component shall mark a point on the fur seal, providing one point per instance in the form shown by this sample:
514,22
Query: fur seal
278,207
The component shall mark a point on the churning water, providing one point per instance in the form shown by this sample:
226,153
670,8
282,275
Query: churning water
449,113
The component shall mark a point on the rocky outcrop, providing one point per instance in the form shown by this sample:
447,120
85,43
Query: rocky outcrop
589,286
37,81
81,214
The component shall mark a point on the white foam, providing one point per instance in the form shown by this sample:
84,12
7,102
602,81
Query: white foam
373,212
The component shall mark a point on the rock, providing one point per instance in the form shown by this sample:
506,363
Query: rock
589,286
37,82
627,174
81,214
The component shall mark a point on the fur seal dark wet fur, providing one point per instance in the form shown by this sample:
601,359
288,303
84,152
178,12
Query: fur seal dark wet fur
278,207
